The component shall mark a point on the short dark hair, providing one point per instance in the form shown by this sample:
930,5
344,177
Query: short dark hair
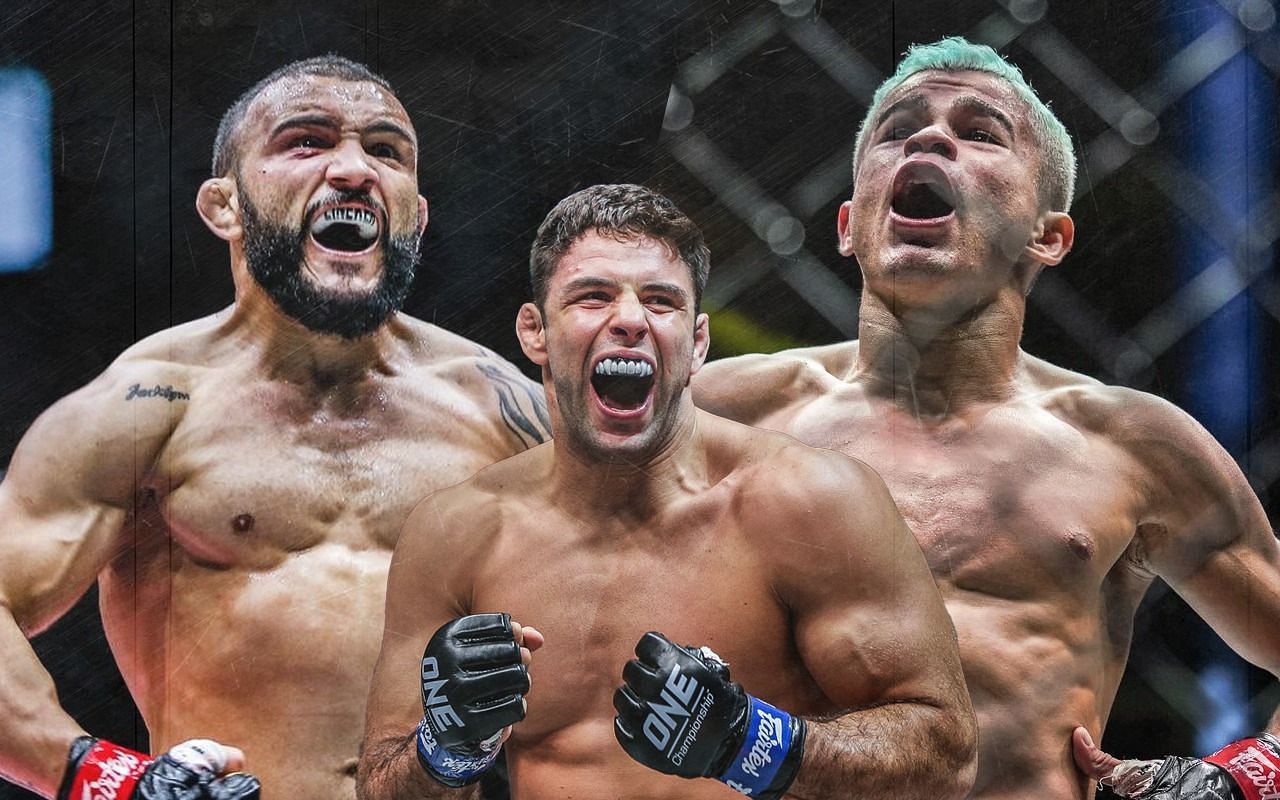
623,211
225,145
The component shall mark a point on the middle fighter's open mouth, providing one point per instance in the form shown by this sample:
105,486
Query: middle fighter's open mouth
622,384
346,229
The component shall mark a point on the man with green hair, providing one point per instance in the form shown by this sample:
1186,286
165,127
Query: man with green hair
1046,502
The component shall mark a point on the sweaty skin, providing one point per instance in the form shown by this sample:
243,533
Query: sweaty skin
237,484
790,563
1046,503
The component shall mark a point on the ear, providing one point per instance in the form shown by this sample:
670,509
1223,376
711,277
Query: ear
218,207
1052,240
844,231
532,334
422,215
701,342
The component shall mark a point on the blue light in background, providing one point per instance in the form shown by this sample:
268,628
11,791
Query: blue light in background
1228,148
26,224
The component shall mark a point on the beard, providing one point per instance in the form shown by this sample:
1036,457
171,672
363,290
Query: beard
276,260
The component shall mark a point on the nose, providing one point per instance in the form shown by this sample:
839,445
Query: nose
931,139
629,323
349,167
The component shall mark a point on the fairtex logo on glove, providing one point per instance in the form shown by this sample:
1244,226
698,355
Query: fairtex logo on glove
1254,767
455,766
763,750
108,772
669,715
766,747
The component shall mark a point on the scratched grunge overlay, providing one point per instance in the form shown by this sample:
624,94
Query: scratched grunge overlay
744,112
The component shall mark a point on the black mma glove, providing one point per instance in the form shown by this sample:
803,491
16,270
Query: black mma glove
473,686
679,713
1245,770
103,771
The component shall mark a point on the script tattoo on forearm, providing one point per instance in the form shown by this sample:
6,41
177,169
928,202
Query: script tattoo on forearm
524,411
162,392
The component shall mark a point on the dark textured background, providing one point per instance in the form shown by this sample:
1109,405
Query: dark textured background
519,103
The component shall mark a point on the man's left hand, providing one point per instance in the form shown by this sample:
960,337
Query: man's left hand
1245,770
679,713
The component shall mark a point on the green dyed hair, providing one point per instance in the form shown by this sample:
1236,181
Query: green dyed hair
1057,171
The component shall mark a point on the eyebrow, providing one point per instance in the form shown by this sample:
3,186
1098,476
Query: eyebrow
589,282
968,102
326,121
669,288
976,105
304,121
912,102
387,126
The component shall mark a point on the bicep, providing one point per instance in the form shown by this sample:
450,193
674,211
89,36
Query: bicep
1208,537
48,559
1236,589
870,622
63,503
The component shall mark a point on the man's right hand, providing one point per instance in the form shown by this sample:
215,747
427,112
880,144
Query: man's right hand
474,679
198,769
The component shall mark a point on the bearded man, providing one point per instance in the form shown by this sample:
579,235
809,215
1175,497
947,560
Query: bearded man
236,484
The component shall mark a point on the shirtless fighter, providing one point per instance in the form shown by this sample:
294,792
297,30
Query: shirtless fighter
1045,502
645,514
236,484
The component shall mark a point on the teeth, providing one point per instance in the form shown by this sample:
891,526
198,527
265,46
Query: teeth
624,366
366,221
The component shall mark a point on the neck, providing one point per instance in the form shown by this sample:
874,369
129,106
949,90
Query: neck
289,351
936,362
630,489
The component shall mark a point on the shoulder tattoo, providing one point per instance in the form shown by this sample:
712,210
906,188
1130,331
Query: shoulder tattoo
138,391
524,410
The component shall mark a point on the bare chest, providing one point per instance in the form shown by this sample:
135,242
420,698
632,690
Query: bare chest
245,479
1016,503
594,601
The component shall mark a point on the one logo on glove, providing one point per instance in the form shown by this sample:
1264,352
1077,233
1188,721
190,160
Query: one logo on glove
670,715
436,702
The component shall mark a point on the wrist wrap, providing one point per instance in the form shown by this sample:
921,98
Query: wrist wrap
770,755
448,767
100,770
1254,764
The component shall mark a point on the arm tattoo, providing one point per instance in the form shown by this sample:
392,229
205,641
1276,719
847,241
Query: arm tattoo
514,397
163,392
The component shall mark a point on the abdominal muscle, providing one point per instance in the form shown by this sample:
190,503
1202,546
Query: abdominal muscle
584,761
1032,680
273,661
